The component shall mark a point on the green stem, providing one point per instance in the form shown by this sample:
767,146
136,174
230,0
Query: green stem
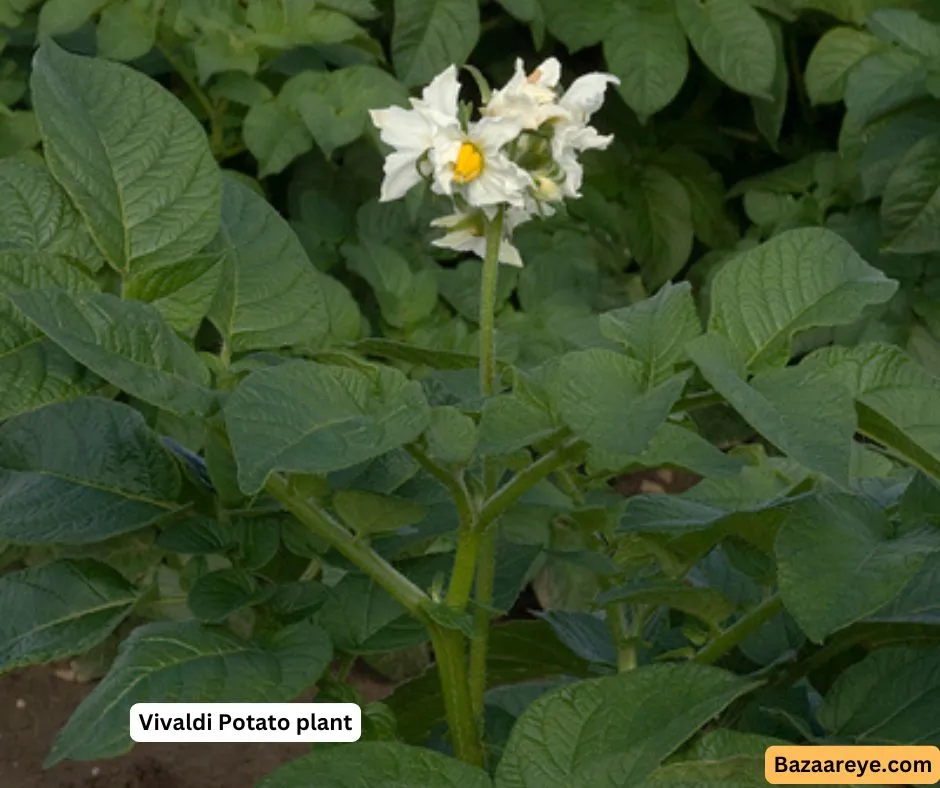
486,576
216,131
465,566
626,651
739,630
490,279
527,478
454,483
485,559
450,655
401,589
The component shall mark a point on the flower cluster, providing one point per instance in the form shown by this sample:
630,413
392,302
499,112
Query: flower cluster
521,156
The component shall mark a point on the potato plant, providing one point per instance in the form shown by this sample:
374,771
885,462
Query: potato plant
270,403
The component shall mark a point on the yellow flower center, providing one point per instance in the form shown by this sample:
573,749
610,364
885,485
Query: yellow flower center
469,163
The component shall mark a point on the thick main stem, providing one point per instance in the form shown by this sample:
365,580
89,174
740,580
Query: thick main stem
451,657
486,559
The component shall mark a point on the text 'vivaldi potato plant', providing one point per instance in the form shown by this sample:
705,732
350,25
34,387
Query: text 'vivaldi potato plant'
237,448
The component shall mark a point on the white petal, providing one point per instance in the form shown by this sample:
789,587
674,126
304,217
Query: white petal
586,94
508,254
549,73
441,95
491,134
402,128
401,173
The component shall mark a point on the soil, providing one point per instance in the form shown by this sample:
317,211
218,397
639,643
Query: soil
35,703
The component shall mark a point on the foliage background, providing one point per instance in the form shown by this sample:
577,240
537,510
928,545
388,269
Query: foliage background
737,122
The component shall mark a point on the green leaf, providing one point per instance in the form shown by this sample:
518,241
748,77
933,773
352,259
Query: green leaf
196,536
513,421
707,604
181,292
270,295
80,472
371,513
134,160
889,698
656,330
720,759
604,398
276,135
838,561
733,40
803,411
37,214
906,28
798,280
578,27
613,731
910,210
335,105
895,399
314,418
658,223
167,662
377,763
755,489
585,634
405,297
769,112
833,57
883,82
60,609
127,343
33,371
216,595
430,35
645,47
127,29
63,16
451,436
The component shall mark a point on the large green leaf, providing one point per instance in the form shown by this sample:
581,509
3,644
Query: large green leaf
896,399
128,343
578,27
658,223
769,112
883,82
910,209
803,411
890,697
270,295
33,371
798,280
186,662
605,398
82,471
838,560
613,731
656,330
37,214
833,57
734,42
430,35
644,45
133,159
60,609
316,418
377,763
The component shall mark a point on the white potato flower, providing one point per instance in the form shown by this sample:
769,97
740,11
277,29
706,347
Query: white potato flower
412,132
474,165
528,99
467,233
